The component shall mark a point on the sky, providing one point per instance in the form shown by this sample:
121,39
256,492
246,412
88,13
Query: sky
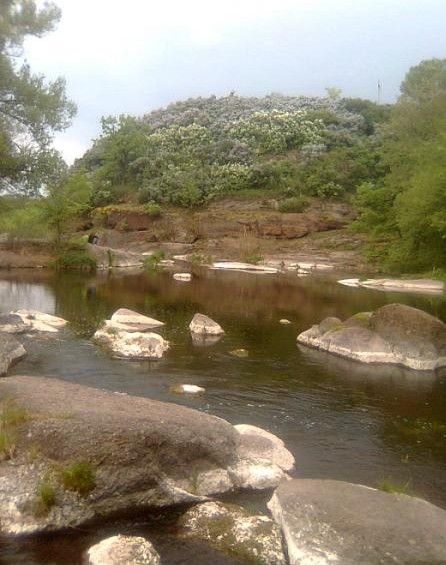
133,56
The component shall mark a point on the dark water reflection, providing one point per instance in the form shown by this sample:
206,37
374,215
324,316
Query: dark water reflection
341,420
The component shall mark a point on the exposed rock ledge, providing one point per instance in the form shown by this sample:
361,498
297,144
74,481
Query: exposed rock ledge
395,334
327,521
423,286
143,454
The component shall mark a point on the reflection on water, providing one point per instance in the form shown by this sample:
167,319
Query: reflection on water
341,419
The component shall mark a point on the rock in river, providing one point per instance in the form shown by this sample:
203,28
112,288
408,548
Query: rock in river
131,345
137,453
123,550
327,521
128,320
11,351
40,321
203,325
232,530
395,333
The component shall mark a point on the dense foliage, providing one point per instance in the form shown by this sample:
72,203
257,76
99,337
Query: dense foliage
404,207
31,109
201,148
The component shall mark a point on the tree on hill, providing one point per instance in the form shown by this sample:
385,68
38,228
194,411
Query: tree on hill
31,108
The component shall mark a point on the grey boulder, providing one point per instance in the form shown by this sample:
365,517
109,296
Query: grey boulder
123,550
395,334
327,521
11,351
232,530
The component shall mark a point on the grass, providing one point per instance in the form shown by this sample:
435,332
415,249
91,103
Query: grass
153,210
152,262
11,415
295,204
75,257
45,498
78,476
390,486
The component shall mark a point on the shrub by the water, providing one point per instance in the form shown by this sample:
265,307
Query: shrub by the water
75,257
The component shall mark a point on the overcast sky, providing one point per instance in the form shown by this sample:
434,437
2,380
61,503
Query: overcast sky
134,56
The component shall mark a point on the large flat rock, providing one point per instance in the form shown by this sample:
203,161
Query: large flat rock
143,453
327,521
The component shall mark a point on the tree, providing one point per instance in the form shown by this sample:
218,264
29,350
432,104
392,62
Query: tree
31,109
424,81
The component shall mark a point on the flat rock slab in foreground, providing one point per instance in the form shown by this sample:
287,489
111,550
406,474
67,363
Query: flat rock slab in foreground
142,454
335,522
395,333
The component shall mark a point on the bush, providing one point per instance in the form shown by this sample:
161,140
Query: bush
152,261
75,257
78,476
295,204
153,210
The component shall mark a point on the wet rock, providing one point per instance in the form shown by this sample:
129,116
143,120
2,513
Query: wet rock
327,521
36,321
263,460
186,389
241,353
395,333
131,345
11,351
232,530
129,320
329,323
244,267
203,325
143,453
284,322
12,324
123,550
185,277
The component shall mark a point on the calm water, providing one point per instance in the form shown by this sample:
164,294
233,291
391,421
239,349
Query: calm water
340,419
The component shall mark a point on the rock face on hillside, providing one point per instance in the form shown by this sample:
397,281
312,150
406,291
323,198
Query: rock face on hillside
335,522
107,257
11,351
232,530
139,453
395,333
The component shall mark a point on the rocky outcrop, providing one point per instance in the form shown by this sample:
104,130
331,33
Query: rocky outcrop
203,325
232,530
131,344
327,521
263,459
107,257
11,351
395,333
36,321
123,550
137,453
425,286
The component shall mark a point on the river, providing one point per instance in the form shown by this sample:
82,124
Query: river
340,419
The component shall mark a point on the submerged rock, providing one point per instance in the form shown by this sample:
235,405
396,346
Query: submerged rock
425,286
131,345
203,325
232,530
129,320
186,389
241,353
11,351
185,277
326,521
395,333
203,340
123,550
263,459
39,321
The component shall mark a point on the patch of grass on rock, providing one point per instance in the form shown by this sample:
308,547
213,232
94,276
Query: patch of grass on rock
45,498
78,476
393,487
